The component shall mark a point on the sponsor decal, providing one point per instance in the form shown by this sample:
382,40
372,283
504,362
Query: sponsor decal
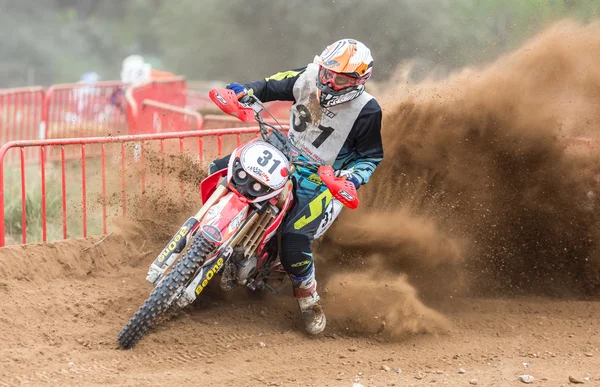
315,208
235,223
259,172
209,275
329,113
220,98
331,63
213,211
212,233
217,208
314,178
311,155
331,100
173,244
299,264
346,195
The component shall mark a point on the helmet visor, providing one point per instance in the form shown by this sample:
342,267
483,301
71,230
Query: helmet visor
337,81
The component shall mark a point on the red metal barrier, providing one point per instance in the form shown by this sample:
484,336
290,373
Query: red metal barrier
76,110
169,91
123,163
21,115
158,117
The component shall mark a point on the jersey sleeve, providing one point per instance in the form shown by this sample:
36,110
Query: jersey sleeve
368,145
278,87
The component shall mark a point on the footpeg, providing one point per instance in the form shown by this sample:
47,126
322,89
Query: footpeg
270,288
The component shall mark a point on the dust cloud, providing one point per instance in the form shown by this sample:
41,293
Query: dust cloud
487,187
357,304
170,196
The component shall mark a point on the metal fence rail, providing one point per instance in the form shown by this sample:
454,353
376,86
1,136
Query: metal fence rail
121,159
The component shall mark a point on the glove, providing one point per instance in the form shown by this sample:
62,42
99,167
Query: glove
349,175
237,89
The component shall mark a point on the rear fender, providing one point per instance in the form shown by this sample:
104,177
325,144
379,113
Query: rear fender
224,218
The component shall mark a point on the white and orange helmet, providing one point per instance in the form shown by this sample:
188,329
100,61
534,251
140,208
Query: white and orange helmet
344,68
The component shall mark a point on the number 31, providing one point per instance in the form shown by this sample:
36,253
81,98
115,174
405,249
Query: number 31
264,161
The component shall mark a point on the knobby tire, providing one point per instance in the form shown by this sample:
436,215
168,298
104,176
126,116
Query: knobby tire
157,303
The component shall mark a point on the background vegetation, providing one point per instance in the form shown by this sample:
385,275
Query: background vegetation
54,41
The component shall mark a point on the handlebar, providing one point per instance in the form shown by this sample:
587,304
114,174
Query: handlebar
341,189
282,143
249,107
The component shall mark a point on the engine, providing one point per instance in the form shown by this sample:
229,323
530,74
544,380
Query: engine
246,269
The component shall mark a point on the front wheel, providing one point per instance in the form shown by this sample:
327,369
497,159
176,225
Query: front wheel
163,295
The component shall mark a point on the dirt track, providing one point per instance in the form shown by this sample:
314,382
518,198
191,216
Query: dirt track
476,196
62,309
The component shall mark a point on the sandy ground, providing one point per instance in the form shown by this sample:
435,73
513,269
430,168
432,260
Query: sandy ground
475,189
62,308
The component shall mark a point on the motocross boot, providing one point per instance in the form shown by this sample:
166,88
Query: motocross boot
305,291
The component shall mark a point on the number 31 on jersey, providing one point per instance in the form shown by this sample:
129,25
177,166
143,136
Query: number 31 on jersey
301,120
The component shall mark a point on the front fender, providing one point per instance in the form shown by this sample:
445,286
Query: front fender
224,218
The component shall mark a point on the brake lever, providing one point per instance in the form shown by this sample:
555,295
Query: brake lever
252,102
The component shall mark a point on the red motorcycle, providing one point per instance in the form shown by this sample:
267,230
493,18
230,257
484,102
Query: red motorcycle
234,233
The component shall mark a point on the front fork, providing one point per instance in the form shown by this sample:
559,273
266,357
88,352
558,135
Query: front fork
201,279
181,239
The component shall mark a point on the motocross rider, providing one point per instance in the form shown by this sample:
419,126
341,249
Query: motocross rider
332,121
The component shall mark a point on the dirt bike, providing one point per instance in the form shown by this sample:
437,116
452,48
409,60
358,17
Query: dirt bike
234,234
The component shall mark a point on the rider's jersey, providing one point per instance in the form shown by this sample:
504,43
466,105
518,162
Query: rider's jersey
346,136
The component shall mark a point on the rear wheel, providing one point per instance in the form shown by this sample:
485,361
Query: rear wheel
163,295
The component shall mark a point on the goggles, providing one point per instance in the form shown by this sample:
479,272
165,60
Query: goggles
337,81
